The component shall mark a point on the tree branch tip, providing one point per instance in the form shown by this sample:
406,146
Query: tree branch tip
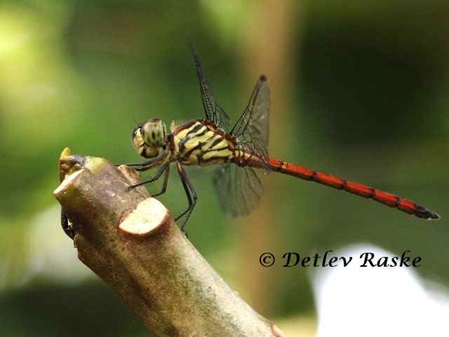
69,163
65,153
66,182
145,218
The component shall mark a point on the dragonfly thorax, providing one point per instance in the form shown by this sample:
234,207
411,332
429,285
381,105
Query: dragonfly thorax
150,138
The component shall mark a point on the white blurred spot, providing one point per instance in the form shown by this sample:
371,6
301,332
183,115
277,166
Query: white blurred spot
51,253
355,301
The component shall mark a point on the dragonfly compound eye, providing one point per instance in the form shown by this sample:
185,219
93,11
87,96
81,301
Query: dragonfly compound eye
153,133
150,138
137,139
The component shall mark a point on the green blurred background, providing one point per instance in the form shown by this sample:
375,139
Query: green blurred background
359,90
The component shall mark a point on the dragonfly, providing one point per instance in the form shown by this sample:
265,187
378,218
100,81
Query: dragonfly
236,152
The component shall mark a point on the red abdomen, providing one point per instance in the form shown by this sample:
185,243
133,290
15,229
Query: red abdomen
364,191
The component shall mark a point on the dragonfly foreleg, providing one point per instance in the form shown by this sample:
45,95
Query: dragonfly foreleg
149,164
143,166
192,197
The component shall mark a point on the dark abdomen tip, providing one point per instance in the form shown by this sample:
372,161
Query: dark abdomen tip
425,213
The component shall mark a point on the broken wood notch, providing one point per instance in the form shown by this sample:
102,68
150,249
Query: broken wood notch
131,242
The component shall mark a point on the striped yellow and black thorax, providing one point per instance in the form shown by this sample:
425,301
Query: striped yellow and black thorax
201,142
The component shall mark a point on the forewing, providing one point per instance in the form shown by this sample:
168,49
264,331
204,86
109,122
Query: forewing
211,108
252,128
238,189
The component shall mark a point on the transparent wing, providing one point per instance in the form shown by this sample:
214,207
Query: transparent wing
211,109
252,128
238,189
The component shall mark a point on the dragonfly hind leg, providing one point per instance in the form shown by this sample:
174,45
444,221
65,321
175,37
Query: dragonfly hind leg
191,196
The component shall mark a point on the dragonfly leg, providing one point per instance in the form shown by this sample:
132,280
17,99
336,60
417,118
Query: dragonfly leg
162,169
66,225
149,164
165,183
143,166
191,196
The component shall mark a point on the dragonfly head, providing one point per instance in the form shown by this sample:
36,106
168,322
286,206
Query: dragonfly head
150,138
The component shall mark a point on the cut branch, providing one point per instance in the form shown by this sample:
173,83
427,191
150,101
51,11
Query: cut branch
132,243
